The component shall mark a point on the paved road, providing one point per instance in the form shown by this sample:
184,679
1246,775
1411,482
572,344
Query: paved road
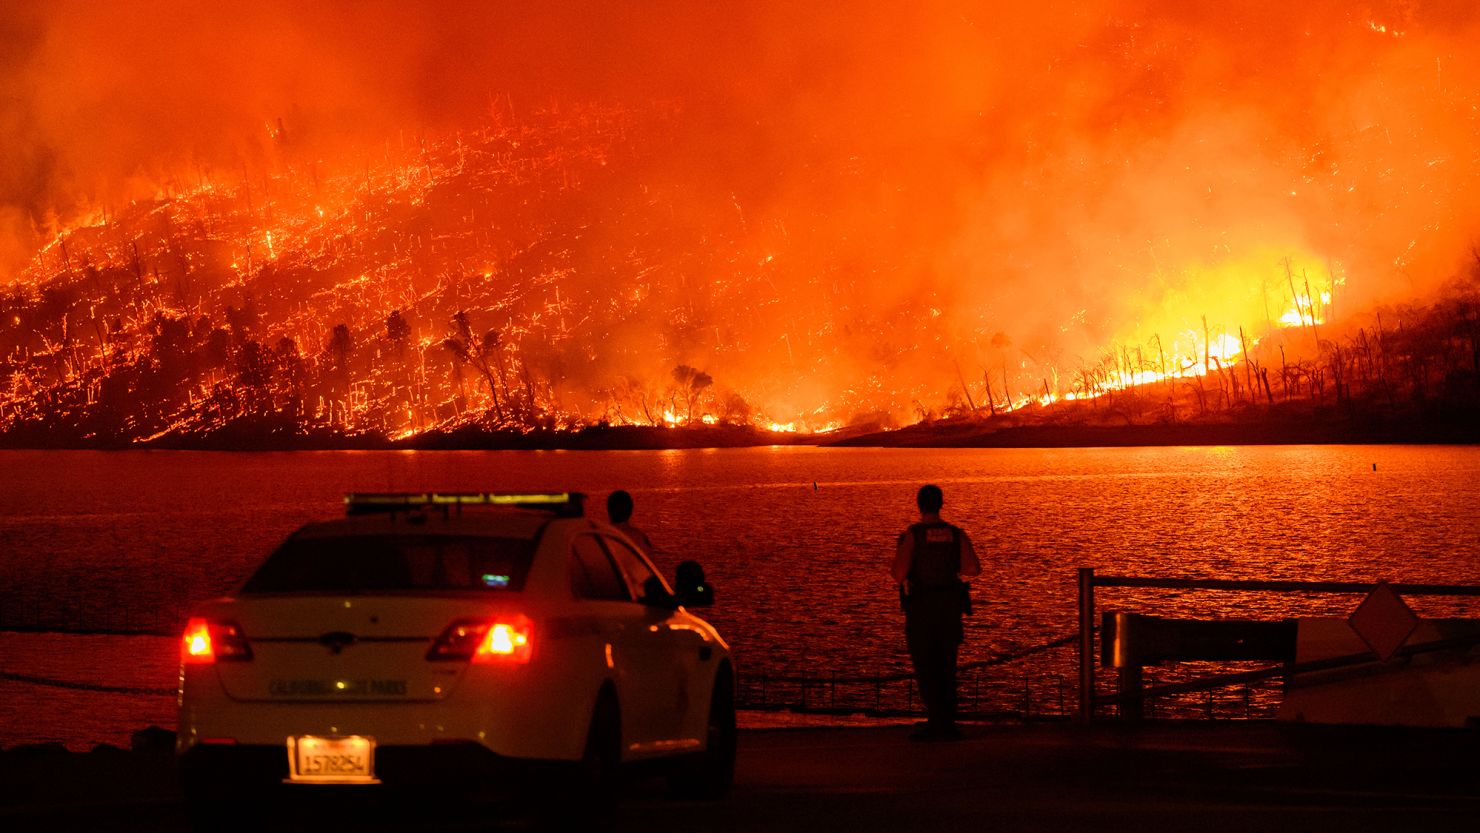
1158,777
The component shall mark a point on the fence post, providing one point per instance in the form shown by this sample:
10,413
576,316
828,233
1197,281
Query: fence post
1131,684
1086,644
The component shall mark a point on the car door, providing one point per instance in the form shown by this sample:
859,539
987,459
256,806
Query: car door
683,650
637,652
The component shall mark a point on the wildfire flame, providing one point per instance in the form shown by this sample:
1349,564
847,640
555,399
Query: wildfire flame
1027,211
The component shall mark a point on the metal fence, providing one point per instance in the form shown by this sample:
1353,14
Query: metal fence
1090,700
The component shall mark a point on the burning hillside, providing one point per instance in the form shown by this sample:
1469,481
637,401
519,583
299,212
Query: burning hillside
386,223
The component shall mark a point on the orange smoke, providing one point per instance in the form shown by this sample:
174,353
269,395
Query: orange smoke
867,209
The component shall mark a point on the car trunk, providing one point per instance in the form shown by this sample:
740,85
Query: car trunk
344,648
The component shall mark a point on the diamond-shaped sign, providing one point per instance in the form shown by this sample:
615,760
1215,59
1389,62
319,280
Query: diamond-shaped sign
1384,621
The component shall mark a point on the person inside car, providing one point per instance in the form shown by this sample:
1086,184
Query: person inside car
619,507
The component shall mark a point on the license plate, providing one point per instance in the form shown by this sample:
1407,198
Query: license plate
316,759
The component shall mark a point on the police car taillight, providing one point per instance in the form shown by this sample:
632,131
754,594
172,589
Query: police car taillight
207,641
501,639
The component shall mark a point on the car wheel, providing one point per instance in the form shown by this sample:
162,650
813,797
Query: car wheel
710,778
587,800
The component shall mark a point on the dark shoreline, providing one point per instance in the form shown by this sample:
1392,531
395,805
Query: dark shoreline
594,438
1461,427
1179,434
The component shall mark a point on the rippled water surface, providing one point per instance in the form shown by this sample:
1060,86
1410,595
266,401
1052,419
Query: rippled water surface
797,541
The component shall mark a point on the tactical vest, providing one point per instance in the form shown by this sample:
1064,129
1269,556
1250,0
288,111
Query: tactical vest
936,562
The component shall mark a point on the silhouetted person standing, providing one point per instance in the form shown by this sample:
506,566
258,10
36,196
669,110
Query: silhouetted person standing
930,561
619,510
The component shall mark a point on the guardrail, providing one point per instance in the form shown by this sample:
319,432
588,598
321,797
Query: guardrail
1088,581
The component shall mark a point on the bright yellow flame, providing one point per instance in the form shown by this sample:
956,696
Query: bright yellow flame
1306,311
1224,348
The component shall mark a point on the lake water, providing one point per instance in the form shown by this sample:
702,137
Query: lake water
797,541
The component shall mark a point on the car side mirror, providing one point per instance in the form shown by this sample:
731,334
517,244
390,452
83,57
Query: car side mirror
654,594
690,587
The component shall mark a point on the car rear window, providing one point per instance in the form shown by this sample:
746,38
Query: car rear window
369,563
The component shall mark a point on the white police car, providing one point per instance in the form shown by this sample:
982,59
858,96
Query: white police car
460,642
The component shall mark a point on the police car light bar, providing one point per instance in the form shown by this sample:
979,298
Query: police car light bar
565,504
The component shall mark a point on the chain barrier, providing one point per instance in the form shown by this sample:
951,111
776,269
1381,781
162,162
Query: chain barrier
765,691
1000,659
749,683
82,630
142,691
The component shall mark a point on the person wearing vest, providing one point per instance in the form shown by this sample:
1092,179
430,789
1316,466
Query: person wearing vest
930,561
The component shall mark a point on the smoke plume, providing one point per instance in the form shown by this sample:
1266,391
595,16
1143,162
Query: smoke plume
925,192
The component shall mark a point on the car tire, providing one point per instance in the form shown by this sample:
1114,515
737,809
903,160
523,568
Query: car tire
587,800
710,777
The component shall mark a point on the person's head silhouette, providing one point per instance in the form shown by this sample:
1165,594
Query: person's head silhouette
619,506
929,499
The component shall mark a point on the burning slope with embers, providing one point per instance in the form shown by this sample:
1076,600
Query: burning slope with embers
536,275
